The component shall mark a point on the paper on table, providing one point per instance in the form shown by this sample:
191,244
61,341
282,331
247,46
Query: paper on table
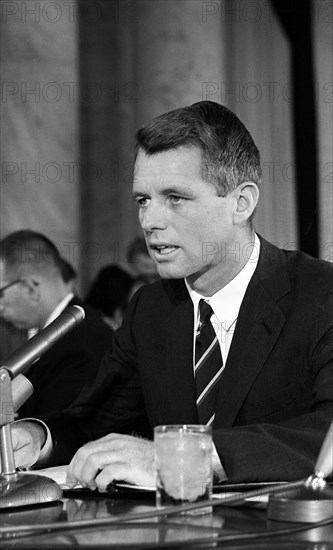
59,474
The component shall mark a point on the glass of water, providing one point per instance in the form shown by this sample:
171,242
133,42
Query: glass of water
183,455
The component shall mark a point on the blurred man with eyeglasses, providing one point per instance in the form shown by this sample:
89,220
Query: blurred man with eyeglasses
36,286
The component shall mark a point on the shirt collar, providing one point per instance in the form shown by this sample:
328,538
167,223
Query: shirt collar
227,301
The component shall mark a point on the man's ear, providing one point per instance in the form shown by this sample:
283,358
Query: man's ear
247,196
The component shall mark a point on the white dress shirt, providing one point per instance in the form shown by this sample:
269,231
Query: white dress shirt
225,304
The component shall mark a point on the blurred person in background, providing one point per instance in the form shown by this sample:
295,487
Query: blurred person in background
36,286
115,284
141,263
11,337
69,274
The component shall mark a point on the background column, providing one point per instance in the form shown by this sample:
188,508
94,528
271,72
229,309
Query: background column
40,169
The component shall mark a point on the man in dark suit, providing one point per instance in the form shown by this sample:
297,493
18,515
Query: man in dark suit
39,287
196,183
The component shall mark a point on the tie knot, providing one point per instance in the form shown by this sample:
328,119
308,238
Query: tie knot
205,311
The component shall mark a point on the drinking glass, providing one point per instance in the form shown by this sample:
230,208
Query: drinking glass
183,455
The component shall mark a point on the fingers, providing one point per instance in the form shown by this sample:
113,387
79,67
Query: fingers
90,458
87,471
26,452
114,457
111,472
85,466
24,458
126,472
27,440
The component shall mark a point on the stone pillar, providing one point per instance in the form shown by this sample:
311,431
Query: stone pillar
323,42
39,120
258,90
144,58
180,54
108,104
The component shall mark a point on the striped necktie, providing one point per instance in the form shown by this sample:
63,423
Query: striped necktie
208,365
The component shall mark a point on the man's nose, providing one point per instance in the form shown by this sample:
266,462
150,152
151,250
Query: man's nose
153,217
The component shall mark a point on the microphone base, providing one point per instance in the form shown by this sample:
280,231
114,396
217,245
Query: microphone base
27,490
305,505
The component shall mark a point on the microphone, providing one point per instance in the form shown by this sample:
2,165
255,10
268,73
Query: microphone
22,389
27,489
19,361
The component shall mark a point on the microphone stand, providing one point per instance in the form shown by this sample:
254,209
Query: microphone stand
313,500
21,489
18,489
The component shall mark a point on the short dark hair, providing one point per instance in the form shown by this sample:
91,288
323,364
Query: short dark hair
110,290
26,247
230,156
68,272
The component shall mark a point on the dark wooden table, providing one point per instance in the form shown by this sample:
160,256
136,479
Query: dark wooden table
227,527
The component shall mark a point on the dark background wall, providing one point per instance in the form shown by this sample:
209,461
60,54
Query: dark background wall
78,78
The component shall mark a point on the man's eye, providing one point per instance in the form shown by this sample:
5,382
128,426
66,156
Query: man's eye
175,199
142,202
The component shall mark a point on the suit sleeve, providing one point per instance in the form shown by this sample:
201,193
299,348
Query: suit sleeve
60,374
286,450
113,401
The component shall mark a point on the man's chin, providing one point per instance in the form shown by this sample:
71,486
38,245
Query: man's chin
170,273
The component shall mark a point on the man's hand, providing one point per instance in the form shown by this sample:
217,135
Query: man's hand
28,438
114,456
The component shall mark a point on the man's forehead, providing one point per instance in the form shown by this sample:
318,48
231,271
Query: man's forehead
182,163
9,272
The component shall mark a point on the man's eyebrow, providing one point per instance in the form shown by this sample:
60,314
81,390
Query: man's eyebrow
175,189
136,194
171,190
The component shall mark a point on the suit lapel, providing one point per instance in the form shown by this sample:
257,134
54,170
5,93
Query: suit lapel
259,324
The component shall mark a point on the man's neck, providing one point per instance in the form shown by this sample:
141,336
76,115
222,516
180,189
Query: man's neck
232,263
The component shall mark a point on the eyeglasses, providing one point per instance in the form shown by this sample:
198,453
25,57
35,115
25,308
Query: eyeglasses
2,290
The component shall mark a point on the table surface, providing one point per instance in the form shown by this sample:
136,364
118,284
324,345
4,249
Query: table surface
227,527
